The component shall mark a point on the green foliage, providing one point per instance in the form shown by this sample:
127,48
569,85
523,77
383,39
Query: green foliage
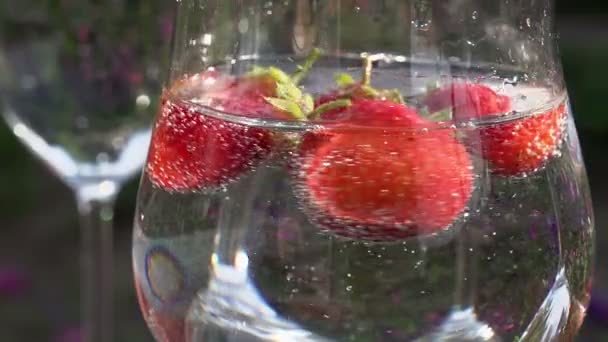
15,177
585,76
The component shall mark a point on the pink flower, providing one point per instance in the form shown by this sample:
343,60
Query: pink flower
83,34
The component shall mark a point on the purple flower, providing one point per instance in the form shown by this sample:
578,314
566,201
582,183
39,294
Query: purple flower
536,220
598,308
84,33
13,281
554,231
166,28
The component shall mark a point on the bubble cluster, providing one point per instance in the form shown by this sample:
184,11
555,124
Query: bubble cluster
523,146
191,151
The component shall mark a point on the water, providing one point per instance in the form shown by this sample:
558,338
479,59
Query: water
249,261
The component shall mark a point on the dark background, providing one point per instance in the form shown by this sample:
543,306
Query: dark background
39,227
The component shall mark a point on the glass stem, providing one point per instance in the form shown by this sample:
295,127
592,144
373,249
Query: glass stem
96,209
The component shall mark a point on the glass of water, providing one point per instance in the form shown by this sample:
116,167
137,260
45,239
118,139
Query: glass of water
364,171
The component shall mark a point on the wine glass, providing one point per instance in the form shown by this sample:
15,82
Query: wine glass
364,171
78,81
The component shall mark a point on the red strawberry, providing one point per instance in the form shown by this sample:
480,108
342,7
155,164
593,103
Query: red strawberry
382,183
332,106
191,151
468,101
248,97
360,112
523,146
378,113
334,114
512,148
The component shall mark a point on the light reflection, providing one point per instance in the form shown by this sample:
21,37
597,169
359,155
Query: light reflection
241,261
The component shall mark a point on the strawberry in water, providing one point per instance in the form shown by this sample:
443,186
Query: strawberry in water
382,185
523,146
467,101
358,103
361,112
191,151
382,173
332,106
512,148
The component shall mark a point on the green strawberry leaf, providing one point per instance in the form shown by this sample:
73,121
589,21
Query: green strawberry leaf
276,74
289,97
393,95
370,91
288,91
344,80
308,103
341,103
288,106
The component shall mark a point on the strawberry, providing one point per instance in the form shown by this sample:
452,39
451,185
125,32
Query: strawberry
512,148
523,146
330,107
192,151
379,184
360,104
467,101
360,112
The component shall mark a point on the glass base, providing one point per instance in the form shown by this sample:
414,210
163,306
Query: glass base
232,310
462,325
236,313
551,320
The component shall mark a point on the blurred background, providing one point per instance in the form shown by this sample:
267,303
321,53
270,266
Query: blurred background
39,265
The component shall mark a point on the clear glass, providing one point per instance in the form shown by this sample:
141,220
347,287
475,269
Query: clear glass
78,86
364,171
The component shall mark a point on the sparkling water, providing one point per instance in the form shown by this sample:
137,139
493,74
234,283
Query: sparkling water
245,261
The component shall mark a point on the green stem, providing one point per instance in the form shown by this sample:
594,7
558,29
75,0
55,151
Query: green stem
303,70
368,65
